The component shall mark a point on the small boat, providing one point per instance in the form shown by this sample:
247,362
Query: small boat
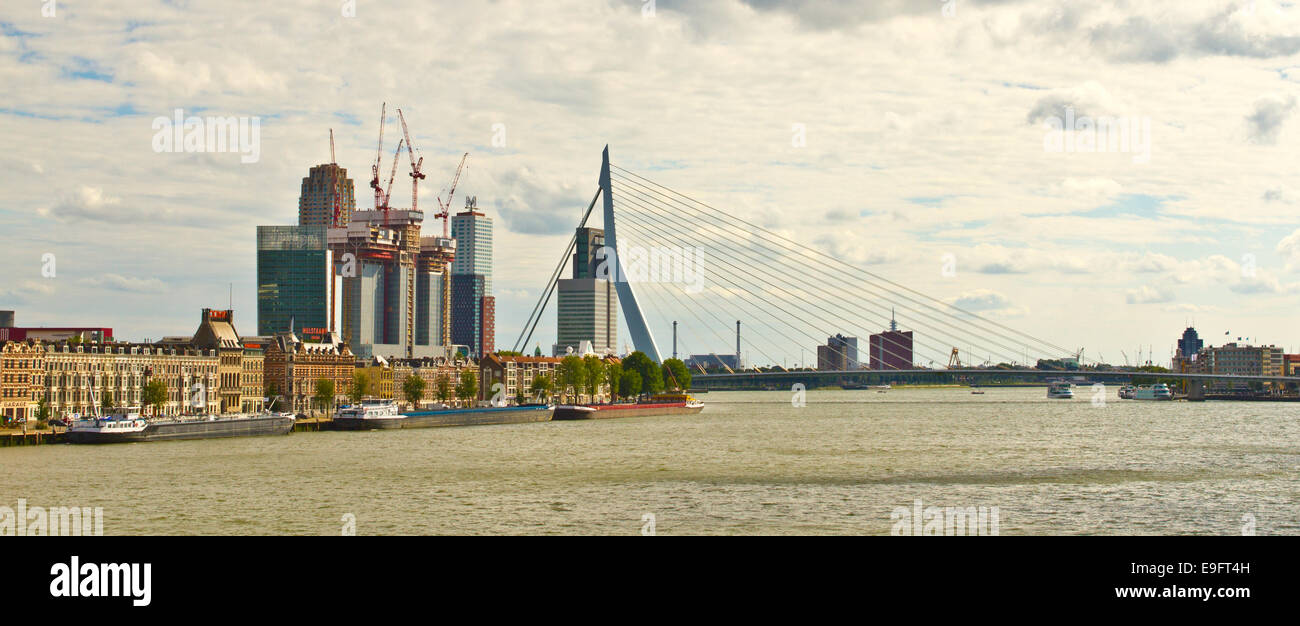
1158,391
1060,390
976,392
1127,392
659,404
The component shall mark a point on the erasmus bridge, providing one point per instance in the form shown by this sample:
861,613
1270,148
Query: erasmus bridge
681,261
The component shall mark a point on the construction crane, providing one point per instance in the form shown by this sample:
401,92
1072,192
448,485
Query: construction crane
388,191
379,157
954,359
1125,357
416,174
338,201
445,206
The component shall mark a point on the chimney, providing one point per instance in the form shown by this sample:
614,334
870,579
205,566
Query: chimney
737,344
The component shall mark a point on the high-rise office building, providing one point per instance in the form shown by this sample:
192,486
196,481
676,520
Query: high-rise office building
316,201
295,278
891,349
1190,344
839,353
473,308
586,306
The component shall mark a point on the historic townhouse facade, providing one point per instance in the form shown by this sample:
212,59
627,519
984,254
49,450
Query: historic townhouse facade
22,380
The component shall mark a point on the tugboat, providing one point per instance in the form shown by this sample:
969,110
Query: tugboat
673,403
1060,390
383,415
125,425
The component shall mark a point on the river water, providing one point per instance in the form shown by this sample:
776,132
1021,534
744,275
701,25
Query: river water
751,463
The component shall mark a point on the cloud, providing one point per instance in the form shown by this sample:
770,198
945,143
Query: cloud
117,282
23,291
1265,122
535,204
1147,294
1089,99
1289,249
93,204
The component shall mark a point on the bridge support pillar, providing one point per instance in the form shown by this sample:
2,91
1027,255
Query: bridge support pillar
1196,390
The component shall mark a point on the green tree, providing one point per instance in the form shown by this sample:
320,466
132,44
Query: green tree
42,409
154,395
596,374
614,371
324,396
630,383
272,395
443,388
572,375
652,377
542,387
360,387
467,388
676,374
509,353
106,403
413,389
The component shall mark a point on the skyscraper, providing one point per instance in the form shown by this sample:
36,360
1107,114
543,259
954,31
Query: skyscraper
316,200
473,316
1190,344
295,278
587,307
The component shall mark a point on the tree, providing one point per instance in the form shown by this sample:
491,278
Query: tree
630,383
106,404
324,396
360,386
652,377
542,387
413,389
613,371
676,374
154,395
42,409
467,389
596,374
509,353
443,388
272,395
572,374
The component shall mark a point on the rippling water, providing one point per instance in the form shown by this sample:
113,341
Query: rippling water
749,464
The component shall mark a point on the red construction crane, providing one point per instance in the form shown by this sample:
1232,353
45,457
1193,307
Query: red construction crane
445,207
379,156
416,174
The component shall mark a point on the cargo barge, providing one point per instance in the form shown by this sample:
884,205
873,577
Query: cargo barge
127,426
662,404
383,415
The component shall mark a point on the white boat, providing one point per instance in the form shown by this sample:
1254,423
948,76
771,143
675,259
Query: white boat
1060,391
1127,392
1158,391
377,410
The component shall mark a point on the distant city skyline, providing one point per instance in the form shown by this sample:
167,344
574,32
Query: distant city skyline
888,135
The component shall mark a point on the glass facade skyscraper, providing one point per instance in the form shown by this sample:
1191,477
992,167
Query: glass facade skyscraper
473,309
294,279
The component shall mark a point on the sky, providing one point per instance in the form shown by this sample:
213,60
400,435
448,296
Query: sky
911,138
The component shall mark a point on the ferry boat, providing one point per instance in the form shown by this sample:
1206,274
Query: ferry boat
1060,391
126,425
1127,392
1158,391
672,403
384,414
